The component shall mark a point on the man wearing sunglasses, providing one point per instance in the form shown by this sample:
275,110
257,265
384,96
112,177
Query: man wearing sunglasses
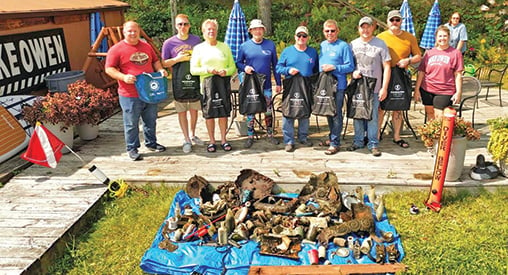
297,59
336,57
177,50
404,51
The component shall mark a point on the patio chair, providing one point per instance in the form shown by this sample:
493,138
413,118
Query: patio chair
491,77
471,88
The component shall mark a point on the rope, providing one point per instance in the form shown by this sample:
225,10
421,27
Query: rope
117,188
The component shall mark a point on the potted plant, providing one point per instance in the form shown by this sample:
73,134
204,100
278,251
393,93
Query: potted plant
56,112
498,142
82,104
462,132
430,131
94,106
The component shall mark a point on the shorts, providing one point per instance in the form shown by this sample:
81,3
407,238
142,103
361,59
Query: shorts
437,101
184,106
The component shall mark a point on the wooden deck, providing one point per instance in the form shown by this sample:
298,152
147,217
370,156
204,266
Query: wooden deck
39,206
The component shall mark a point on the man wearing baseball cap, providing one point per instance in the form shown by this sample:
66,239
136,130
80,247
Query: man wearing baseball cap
372,60
404,51
259,55
295,59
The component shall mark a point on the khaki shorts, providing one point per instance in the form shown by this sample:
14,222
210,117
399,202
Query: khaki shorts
186,106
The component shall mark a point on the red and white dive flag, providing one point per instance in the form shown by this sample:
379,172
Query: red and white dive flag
44,147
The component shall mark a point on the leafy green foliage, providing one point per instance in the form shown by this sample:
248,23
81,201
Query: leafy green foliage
154,17
469,234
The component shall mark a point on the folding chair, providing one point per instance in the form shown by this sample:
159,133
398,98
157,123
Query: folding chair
471,88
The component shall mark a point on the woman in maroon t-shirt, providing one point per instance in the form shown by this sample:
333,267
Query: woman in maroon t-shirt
439,82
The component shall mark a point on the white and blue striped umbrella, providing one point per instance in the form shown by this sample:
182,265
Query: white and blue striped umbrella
433,22
407,18
237,31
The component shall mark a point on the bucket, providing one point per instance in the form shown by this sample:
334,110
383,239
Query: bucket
240,128
58,82
469,70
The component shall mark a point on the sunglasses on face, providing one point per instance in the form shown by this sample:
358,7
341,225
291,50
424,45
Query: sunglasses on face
456,18
395,20
183,24
332,31
300,35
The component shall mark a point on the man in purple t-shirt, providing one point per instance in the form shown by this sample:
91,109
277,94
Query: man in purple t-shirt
176,54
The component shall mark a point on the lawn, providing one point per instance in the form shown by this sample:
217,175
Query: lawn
468,236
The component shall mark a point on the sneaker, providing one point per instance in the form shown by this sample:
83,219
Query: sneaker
354,147
306,142
157,148
134,155
197,141
187,147
272,140
375,152
248,143
289,148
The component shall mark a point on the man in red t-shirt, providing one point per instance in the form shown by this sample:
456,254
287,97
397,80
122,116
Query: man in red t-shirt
125,60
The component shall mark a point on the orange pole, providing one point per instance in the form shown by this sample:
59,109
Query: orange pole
442,156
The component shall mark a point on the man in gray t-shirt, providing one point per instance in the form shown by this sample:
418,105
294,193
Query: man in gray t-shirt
372,59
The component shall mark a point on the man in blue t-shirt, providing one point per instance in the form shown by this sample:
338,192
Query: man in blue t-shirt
336,57
302,59
259,55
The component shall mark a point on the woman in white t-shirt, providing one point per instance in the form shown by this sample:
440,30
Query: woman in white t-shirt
458,32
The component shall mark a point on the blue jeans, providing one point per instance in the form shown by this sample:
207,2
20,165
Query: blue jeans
132,110
268,116
288,131
371,126
335,122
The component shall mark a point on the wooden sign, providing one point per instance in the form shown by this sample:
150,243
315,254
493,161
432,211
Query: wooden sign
27,58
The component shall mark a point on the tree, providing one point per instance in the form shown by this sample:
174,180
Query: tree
265,14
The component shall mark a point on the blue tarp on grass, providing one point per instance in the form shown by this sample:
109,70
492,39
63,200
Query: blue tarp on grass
190,257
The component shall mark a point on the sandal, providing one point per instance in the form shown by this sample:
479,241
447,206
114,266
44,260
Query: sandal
211,148
332,150
226,146
325,143
402,143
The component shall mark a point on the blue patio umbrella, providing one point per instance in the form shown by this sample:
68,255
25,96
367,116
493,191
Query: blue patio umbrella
407,18
96,25
433,21
237,31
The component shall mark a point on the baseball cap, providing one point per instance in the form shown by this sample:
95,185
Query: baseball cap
394,13
302,29
256,23
365,20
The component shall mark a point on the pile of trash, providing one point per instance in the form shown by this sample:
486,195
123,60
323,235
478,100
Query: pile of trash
244,223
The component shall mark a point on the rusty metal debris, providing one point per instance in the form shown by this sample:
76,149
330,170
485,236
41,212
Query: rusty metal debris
282,246
248,210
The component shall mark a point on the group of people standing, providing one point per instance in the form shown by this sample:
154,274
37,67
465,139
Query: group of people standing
438,83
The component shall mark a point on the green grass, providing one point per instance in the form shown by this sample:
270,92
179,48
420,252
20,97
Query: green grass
468,236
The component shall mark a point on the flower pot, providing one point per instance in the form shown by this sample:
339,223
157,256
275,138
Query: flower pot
66,137
503,168
456,160
88,131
